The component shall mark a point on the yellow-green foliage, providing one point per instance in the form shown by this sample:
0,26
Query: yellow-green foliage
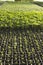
20,19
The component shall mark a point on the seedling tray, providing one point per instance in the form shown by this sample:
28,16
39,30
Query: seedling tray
21,47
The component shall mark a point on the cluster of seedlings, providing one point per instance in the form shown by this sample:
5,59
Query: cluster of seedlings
24,47
21,19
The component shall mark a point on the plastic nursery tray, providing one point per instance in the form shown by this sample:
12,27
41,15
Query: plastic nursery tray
21,47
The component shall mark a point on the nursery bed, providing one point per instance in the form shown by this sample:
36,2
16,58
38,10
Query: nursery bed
21,47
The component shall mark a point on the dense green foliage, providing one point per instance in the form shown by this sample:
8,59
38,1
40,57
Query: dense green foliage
20,19
20,6
20,14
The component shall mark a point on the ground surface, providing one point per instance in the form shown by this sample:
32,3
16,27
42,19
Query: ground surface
39,3
21,47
